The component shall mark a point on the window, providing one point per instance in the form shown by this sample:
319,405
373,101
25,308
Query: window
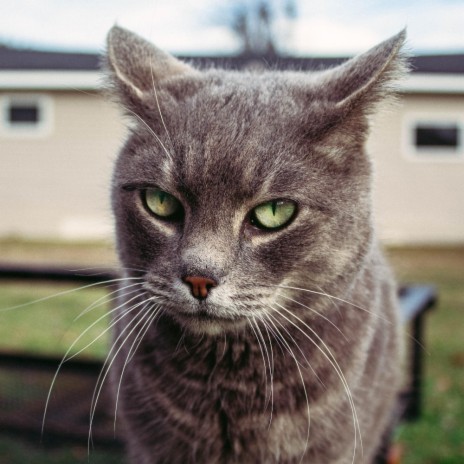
435,139
25,115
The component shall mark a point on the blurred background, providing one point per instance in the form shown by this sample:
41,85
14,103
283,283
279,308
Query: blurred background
59,138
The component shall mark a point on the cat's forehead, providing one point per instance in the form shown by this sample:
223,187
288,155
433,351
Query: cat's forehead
234,133
246,91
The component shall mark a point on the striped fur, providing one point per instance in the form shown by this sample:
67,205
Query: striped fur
293,356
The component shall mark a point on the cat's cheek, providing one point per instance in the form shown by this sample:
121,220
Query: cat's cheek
266,263
278,252
140,241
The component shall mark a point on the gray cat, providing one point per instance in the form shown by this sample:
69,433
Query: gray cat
257,319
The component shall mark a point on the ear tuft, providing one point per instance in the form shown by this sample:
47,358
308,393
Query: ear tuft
368,78
134,66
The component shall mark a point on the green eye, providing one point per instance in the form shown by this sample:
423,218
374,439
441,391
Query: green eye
273,214
162,203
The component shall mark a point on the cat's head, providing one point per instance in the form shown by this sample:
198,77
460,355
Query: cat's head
234,185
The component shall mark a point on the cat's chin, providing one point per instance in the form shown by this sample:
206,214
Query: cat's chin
206,324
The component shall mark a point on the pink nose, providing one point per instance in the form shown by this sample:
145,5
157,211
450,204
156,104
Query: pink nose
200,286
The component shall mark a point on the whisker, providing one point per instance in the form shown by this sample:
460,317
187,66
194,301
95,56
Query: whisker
155,310
159,310
179,342
158,105
104,270
152,132
271,369
328,296
308,411
66,356
107,365
112,324
107,300
269,396
316,312
307,363
333,362
333,298
67,292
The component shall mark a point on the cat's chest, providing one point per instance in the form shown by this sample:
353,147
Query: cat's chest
239,380
235,409
234,398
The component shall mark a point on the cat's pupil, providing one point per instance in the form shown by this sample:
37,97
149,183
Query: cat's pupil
162,204
274,207
273,214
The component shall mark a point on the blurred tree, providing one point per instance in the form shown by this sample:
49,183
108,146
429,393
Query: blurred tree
263,26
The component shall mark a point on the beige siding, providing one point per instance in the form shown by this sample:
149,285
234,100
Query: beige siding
418,199
57,185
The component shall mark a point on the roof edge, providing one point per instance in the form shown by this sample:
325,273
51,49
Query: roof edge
92,80
50,80
434,83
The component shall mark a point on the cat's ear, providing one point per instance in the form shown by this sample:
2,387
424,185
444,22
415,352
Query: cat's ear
135,66
366,79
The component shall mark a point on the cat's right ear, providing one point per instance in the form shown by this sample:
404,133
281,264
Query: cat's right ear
134,66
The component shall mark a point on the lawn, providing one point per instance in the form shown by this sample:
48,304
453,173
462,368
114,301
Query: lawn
438,437
51,325
45,327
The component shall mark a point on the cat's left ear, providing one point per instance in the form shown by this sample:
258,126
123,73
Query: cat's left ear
366,79
135,66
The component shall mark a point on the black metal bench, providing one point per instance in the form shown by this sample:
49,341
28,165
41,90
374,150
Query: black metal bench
68,415
415,301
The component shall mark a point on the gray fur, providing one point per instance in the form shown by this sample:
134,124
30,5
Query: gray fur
297,312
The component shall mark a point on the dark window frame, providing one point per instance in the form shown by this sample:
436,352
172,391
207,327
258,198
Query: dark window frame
437,136
441,139
26,115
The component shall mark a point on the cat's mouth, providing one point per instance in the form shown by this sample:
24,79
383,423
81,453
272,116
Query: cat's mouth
208,321
208,315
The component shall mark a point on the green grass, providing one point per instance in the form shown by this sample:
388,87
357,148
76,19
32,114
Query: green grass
49,327
438,437
35,321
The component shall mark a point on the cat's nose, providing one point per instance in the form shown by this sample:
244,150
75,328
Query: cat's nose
200,286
